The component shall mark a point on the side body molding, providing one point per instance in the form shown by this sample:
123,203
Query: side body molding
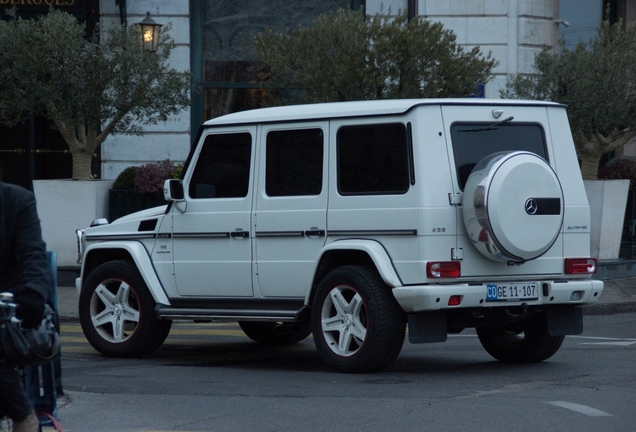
142,260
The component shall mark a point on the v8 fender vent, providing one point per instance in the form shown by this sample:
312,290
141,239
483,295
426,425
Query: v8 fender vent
147,225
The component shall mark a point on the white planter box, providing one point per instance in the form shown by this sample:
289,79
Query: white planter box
607,199
63,207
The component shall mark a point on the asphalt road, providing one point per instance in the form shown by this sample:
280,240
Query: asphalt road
213,378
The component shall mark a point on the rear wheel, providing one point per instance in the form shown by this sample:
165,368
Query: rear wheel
117,312
357,324
275,333
522,342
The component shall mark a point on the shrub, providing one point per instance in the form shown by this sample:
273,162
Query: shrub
150,177
620,168
126,179
147,178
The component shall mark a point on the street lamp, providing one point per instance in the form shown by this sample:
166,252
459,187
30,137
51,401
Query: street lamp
149,30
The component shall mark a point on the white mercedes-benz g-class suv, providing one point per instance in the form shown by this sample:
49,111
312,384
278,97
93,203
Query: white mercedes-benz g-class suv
351,221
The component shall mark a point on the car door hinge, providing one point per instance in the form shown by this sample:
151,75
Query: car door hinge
455,198
457,254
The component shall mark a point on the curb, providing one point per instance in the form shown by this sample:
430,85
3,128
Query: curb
609,308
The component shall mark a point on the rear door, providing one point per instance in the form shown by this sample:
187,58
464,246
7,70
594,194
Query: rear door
291,207
477,131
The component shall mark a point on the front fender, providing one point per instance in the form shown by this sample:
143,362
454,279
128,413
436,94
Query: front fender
142,260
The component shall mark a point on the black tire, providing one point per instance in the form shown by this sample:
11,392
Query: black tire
368,316
275,333
522,342
117,312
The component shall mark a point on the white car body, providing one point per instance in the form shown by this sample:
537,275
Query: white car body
261,255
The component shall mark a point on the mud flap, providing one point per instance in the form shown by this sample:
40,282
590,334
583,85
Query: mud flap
564,320
427,327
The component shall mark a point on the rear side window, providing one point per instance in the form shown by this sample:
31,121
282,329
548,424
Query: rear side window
294,162
474,141
223,167
373,159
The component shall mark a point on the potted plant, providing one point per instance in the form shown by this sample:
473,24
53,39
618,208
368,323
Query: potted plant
140,187
89,87
624,168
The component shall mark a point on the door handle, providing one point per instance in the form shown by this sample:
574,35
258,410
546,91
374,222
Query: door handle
315,233
240,234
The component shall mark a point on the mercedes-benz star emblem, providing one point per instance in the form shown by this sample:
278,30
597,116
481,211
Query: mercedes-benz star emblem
531,206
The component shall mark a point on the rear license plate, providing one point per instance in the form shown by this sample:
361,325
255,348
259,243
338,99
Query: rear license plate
512,291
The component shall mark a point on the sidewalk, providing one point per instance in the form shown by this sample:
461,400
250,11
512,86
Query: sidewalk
619,296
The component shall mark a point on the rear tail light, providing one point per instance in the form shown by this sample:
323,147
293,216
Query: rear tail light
443,269
580,265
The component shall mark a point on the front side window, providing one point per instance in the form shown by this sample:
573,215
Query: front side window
294,162
474,141
373,159
223,167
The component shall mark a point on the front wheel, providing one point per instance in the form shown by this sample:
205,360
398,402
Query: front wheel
117,312
521,342
357,324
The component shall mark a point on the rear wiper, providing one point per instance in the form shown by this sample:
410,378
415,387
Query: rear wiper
487,128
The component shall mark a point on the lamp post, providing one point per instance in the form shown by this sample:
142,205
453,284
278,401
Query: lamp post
149,31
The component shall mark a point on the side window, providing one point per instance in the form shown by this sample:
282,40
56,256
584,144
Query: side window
223,167
373,159
294,162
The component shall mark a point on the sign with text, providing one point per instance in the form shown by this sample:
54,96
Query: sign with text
44,5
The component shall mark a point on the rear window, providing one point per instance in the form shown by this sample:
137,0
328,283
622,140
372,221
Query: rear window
474,141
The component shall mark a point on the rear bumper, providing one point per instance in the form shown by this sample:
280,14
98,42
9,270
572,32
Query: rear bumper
419,298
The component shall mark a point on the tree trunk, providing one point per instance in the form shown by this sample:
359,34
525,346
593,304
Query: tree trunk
589,166
82,166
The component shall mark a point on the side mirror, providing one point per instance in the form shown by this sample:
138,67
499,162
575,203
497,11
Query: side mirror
173,190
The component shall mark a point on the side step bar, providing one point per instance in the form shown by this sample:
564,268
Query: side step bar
286,315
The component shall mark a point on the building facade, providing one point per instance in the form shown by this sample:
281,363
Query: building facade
213,39
214,36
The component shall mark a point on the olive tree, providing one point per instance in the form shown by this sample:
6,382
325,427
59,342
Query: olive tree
596,81
89,88
345,55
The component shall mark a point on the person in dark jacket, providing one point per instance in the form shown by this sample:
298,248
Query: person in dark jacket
24,271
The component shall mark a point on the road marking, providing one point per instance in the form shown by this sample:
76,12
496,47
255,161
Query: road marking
603,338
509,388
606,341
588,411
78,349
208,332
70,339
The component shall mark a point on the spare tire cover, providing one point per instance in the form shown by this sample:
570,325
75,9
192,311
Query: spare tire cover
513,206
